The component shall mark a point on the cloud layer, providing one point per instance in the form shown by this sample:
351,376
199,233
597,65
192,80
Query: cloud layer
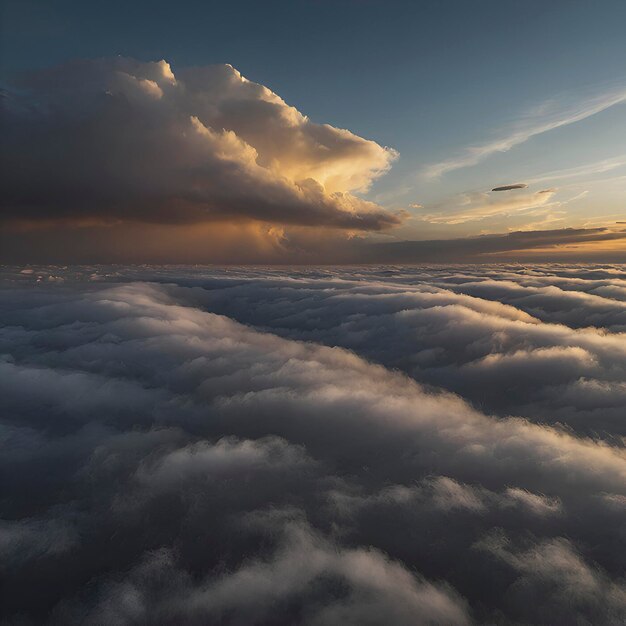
103,141
563,244
178,466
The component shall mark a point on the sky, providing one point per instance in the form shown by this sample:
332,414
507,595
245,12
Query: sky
444,100
313,312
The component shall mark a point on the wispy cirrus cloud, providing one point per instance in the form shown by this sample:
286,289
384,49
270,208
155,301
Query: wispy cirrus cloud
476,206
549,116
588,169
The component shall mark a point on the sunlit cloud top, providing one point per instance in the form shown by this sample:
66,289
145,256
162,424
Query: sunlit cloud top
123,140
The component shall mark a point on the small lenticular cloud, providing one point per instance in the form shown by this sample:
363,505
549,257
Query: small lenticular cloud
510,187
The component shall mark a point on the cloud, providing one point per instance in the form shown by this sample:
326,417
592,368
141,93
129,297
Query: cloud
510,187
549,116
584,244
589,169
475,206
443,494
472,332
119,140
199,445
556,569
376,589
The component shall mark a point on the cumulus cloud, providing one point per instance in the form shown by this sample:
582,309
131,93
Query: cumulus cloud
110,140
177,465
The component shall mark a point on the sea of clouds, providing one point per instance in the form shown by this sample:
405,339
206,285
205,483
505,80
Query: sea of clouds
373,445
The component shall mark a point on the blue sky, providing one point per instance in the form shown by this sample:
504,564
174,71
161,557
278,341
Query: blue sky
437,80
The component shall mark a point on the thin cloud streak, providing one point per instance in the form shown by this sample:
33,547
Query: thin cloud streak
531,126
589,169
472,207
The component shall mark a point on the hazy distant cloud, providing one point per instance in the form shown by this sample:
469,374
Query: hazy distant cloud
549,116
112,140
225,242
568,243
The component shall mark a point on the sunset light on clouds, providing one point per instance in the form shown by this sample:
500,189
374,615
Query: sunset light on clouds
313,312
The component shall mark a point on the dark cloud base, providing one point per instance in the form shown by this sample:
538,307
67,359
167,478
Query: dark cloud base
538,246
358,446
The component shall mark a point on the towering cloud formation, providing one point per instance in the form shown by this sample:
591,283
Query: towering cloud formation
121,140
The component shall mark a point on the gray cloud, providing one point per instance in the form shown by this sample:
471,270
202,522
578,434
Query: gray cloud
510,187
557,566
583,244
178,466
376,589
514,342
